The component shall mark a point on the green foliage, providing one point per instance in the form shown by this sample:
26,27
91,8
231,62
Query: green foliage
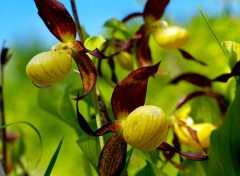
21,145
90,147
53,160
58,101
225,144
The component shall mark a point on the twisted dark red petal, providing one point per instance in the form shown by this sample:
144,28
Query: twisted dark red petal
113,156
130,93
57,19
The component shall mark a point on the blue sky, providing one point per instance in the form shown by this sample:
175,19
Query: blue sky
21,23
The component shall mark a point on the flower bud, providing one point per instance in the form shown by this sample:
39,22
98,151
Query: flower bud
203,130
125,60
145,128
171,37
49,67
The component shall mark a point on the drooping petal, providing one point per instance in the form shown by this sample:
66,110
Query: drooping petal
219,98
193,78
188,56
143,51
189,155
57,19
235,72
130,93
87,72
113,156
154,9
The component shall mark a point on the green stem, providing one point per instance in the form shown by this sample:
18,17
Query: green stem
97,113
209,26
94,91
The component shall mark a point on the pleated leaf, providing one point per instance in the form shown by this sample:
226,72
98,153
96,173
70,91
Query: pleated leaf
225,144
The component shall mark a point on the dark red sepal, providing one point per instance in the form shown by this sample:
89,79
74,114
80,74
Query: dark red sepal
130,93
223,105
189,155
225,77
87,71
113,156
57,19
193,78
154,10
188,56
143,51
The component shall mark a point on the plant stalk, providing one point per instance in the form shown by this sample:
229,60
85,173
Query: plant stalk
2,113
97,113
94,91
76,19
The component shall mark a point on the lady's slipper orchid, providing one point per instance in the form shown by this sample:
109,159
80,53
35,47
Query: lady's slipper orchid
193,135
141,126
50,67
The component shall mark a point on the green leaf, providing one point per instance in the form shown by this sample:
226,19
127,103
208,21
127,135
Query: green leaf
90,146
147,170
53,160
118,26
34,129
234,52
94,42
151,162
56,101
129,155
225,143
205,109
193,168
150,170
209,26
18,149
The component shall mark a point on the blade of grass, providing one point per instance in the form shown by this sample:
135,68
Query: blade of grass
35,129
209,26
53,160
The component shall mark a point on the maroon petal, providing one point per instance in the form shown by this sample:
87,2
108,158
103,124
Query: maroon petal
224,77
143,51
130,92
87,72
188,56
223,105
189,155
57,19
113,157
189,97
154,9
193,78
